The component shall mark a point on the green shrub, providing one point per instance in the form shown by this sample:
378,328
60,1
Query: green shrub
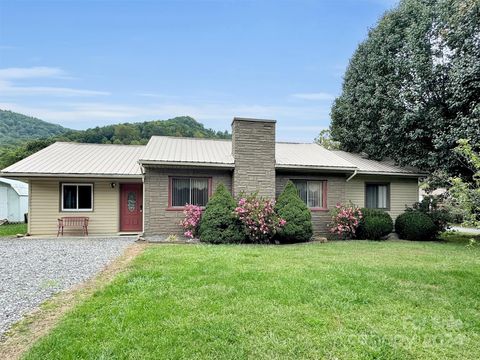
218,224
294,211
415,225
430,206
374,224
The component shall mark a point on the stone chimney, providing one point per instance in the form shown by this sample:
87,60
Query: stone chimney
253,149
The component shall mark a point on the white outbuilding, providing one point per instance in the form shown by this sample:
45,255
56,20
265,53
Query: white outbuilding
13,200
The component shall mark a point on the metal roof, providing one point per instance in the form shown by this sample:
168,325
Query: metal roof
368,166
176,150
75,159
69,159
292,155
19,187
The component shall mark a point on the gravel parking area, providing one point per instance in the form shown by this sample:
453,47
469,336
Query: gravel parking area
33,269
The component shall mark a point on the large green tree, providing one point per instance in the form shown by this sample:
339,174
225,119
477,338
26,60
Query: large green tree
412,88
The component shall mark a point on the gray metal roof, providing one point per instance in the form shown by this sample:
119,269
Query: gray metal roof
62,158
74,159
168,150
291,155
368,166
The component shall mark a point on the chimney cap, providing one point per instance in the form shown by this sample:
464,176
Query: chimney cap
236,118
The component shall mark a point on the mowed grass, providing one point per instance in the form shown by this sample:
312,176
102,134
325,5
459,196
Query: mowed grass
346,300
12,229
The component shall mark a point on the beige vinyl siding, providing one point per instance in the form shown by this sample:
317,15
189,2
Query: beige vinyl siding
45,207
403,191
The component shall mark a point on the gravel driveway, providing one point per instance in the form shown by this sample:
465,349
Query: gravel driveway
32,270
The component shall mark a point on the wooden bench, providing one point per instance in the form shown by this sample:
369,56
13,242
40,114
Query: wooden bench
73,221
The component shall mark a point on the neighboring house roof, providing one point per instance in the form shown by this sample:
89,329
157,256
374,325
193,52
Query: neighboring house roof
19,187
74,159
368,166
184,151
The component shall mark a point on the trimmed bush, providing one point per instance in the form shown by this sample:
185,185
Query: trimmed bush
415,225
374,224
218,224
291,208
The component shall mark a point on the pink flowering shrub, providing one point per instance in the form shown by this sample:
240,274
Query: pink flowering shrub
258,217
193,214
345,220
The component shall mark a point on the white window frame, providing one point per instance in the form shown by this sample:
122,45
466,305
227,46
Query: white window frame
77,185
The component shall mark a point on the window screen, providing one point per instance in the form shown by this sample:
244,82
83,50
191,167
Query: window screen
311,192
189,191
376,196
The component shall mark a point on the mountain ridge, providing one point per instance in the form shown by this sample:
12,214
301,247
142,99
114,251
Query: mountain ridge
16,145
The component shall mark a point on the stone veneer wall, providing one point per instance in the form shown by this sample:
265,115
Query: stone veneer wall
335,193
253,148
159,220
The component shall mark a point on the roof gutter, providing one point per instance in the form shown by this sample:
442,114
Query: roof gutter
60,175
314,167
392,173
352,176
185,163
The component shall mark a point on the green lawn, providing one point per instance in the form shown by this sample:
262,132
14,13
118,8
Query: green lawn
353,299
13,229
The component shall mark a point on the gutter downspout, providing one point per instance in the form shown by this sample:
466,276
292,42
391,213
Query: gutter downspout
352,176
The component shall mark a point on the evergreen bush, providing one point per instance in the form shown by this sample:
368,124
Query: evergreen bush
219,224
374,224
291,208
415,225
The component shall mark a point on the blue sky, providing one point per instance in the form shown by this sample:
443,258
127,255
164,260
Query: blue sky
87,63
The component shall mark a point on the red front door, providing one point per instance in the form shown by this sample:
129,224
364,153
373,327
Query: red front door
131,207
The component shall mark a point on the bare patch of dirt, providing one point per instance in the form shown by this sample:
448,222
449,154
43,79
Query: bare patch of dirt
40,321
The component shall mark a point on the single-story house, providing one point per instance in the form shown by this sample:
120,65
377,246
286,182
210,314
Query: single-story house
143,189
13,200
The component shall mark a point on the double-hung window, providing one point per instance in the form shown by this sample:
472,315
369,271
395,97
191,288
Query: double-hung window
77,197
185,190
311,192
377,196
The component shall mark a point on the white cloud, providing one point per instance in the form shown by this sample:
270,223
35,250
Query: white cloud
221,112
10,90
320,96
31,72
8,76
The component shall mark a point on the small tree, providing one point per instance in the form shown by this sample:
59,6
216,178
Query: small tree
294,211
467,195
219,224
